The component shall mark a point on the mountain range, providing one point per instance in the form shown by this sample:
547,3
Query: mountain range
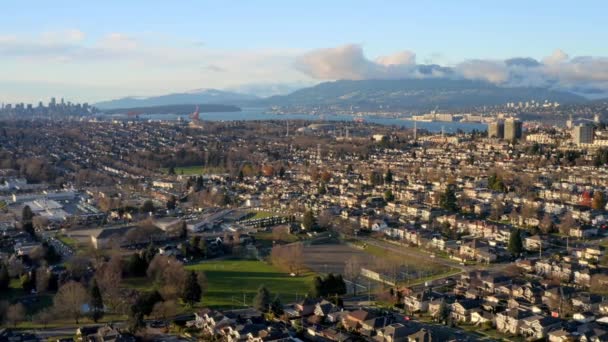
416,94
399,94
199,96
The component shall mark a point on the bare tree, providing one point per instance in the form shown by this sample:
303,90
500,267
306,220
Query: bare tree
288,257
280,233
44,316
15,314
164,310
567,223
109,278
43,277
352,271
69,300
169,274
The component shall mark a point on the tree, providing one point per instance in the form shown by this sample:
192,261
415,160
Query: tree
352,271
331,285
44,316
497,210
515,243
69,300
15,314
388,177
276,307
43,279
288,257
388,195
144,304
496,183
28,281
546,224
109,276
262,299
96,302
447,200
164,310
192,290
567,223
27,215
136,266
169,275
598,202
148,206
308,221
172,202
585,199
4,277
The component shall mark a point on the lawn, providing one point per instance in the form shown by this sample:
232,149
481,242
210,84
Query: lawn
260,215
195,170
230,280
71,242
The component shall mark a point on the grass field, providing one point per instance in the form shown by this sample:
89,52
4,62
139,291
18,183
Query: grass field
260,215
71,242
228,280
195,170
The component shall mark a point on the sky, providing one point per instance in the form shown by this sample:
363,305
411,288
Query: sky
98,50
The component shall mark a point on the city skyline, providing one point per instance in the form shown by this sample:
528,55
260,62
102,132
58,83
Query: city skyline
91,53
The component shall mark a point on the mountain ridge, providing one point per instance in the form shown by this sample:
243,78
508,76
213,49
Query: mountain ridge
198,96
416,94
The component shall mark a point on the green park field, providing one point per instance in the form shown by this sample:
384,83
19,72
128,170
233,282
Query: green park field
229,280
195,170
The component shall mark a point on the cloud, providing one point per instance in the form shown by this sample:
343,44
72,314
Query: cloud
558,70
349,62
125,64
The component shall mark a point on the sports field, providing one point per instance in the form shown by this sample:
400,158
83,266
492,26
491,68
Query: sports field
229,281
195,170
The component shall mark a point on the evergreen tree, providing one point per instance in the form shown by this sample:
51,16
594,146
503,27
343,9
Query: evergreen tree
515,243
276,306
308,222
262,299
27,215
447,200
172,202
96,302
136,266
148,206
316,290
192,291
388,195
388,177
4,277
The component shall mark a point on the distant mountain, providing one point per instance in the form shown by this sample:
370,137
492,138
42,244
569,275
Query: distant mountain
270,89
181,109
193,97
415,94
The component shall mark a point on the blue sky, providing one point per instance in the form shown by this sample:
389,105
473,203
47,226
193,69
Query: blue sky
97,50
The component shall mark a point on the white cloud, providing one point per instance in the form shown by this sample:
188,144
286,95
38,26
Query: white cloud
557,70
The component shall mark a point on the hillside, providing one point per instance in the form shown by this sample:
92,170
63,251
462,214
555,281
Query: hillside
416,94
205,96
